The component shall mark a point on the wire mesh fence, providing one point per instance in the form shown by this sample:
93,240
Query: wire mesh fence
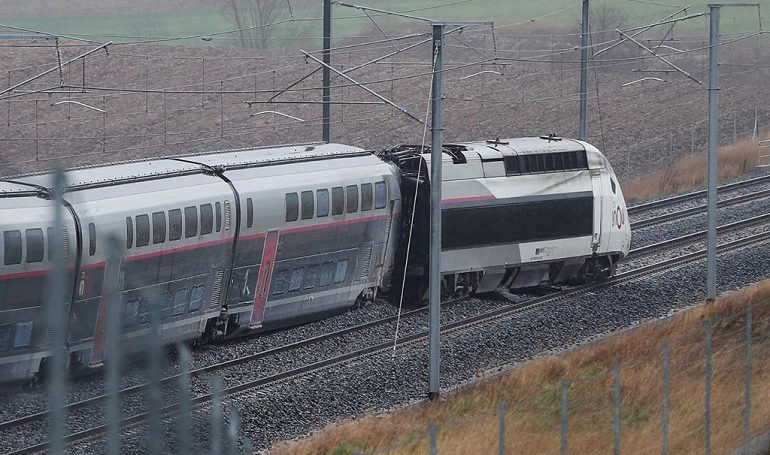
700,392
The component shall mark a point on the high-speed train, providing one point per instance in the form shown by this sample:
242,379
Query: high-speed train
263,238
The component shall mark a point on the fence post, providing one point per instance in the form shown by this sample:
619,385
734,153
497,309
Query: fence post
155,392
183,427
232,431
707,394
216,416
56,320
564,417
432,432
247,448
616,410
664,411
112,385
747,380
501,420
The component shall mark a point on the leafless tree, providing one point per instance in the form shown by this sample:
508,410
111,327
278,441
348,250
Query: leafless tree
605,19
252,19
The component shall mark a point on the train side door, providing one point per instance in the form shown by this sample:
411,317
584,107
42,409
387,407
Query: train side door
596,188
263,282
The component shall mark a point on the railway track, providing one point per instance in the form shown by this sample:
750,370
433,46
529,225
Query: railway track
256,385
660,203
699,209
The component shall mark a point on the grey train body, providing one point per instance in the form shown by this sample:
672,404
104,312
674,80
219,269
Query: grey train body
265,238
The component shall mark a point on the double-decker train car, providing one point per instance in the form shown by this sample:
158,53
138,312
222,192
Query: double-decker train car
257,239
27,224
243,239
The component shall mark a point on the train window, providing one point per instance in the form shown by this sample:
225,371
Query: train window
296,279
218,210
166,303
23,337
341,272
190,222
196,298
180,302
327,270
380,195
249,213
35,248
322,201
366,196
307,205
5,337
174,224
612,184
558,161
280,282
352,198
131,316
311,277
338,200
129,235
142,230
207,219
158,227
292,207
12,245
581,161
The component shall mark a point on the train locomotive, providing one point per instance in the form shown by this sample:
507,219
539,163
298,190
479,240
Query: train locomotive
263,238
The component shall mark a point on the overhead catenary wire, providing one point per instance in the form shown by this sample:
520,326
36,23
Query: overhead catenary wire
414,206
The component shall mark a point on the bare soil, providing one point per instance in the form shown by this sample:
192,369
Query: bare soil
164,99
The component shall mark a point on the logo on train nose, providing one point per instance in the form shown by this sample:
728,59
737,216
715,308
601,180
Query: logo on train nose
618,217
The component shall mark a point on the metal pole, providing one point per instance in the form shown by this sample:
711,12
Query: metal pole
185,404
432,434
711,260
435,212
564,448
112,383
327,59
747,381
583,133
155,390
616,411
56,314
215,438
501,435
707,393
664,411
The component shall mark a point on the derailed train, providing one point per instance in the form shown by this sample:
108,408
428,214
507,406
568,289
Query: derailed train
272,237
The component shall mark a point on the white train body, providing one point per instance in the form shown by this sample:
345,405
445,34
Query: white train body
520,212
277,236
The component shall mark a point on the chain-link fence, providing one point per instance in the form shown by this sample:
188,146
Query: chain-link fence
703,391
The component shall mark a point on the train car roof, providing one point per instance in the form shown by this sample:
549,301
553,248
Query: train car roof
278,155
174,166
526,145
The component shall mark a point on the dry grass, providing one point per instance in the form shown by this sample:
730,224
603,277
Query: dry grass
468,423
690,172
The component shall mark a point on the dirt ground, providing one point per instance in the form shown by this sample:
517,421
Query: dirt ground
162,99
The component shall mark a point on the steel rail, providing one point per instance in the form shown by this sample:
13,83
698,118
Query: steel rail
695,195
699,209
386,347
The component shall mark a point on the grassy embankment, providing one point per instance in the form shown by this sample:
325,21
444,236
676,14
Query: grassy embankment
468,423
690,172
